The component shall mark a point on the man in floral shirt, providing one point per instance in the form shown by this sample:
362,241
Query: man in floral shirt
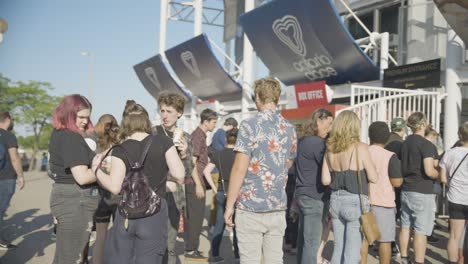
265,149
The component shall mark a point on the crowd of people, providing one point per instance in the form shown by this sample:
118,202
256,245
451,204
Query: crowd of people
147,181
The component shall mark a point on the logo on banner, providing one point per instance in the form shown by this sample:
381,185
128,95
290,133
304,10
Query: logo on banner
191,63
151,74
294,41
289,32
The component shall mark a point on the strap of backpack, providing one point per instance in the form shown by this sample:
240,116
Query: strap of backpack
146,149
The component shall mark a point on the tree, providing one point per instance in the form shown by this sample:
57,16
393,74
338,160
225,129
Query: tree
31,105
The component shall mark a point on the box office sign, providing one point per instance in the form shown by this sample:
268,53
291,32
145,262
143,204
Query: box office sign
412,76
308,94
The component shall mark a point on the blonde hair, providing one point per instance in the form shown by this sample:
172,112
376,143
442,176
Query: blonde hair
268,90
345,132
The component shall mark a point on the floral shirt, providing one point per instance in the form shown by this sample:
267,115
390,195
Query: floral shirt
270,141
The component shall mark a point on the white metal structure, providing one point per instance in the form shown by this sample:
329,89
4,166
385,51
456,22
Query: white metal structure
383,104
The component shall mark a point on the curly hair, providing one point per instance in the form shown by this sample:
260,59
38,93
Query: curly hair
172,99
345,132
268,90
107,130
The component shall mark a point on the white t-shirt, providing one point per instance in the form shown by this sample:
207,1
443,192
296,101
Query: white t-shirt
458,183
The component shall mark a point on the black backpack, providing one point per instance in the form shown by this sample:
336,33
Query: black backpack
138,200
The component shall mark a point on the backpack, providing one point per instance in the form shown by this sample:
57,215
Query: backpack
3,154
138,200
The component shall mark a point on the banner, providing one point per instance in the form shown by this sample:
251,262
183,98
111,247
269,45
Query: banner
456,14
304,41
197,67
155,77
308,94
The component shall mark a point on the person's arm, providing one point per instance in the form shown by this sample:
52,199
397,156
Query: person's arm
82,174
429,168
443,168
394,171
207,173
112,182
16,162
199,192
238,173
369,166
443,175
175,165
326,177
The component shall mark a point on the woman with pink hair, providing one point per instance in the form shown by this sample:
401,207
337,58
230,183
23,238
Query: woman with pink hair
74,196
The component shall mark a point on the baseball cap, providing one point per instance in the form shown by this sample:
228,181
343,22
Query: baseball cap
397,123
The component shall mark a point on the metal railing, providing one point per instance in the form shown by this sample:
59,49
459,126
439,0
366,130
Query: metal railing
383,104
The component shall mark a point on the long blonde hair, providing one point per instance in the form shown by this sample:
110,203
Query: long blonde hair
344,133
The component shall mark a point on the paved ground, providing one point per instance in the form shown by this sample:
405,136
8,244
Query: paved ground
29,225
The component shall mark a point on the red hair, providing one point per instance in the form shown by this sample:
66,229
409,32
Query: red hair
64,116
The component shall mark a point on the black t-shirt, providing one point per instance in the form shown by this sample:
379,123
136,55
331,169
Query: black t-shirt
309,160
413,152
9,141
68,149
223,160
155,166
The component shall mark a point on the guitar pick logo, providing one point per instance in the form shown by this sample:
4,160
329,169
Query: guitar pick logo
288,30
189,61
151,74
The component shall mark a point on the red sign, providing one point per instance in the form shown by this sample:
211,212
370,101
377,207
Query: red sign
311,94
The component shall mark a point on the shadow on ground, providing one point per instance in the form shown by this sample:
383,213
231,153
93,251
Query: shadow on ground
32,234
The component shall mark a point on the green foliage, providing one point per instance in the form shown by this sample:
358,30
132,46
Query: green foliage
43,144
31,105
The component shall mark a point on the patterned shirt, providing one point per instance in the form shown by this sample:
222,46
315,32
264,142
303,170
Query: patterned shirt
270,141
200,150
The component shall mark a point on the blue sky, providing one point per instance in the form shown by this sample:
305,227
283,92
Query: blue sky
46,37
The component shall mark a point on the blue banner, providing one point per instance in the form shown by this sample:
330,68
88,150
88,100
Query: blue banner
197,67
155,77
304,41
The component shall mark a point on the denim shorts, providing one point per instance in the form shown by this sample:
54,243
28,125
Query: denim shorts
418,211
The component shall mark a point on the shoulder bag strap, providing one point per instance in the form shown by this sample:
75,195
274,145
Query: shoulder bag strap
363,207
146,149
220,172
453,174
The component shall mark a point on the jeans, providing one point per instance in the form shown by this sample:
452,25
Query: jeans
260,236
195,215
312,215
74,208
418,212
7,189
345,210
144,242
218,231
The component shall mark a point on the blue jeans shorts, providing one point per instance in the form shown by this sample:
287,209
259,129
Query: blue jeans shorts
418,212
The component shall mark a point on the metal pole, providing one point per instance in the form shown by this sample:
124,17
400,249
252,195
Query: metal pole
376,28
453,101
384,40
248,66
163,28
197,30
198,16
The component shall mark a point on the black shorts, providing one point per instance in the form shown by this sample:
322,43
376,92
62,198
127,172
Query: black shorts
104,211
458,211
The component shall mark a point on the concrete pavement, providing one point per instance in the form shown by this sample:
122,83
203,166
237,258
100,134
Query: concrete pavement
29,225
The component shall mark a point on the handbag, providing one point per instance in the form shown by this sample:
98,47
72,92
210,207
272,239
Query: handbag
369,225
